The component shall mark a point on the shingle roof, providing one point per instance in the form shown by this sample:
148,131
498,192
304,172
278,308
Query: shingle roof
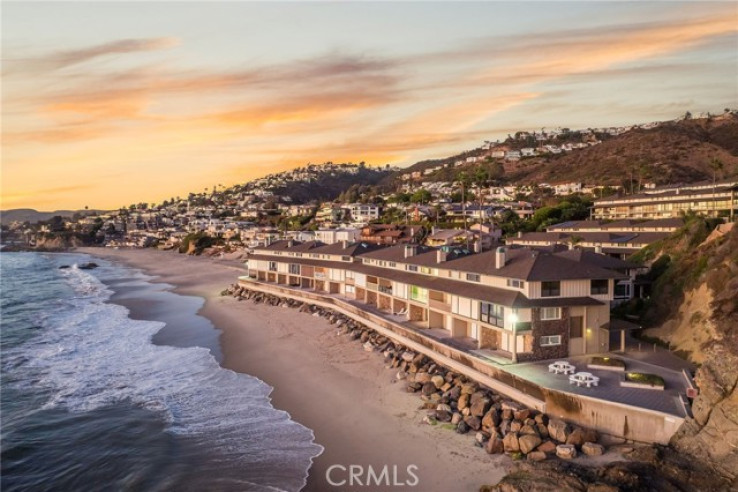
600,260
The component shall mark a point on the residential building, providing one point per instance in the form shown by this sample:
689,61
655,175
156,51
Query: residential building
518,303
331,236
390,233
363,212
619,239
713,200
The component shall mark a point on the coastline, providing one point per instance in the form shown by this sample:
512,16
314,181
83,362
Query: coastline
325,382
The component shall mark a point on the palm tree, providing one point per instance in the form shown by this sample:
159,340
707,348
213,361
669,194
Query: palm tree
716,165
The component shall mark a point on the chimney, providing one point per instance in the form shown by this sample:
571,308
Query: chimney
500,257
520,234
410,250
478,245
344,243
440,256
598,249
290,243
571,245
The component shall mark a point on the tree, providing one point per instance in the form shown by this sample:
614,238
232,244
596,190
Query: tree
421,196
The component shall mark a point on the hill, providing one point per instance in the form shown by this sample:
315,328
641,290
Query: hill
671,152
33,216
674,152
328,184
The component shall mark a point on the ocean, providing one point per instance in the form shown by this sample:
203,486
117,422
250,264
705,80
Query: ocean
95,400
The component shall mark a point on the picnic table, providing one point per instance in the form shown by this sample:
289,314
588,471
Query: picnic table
581,378
561,367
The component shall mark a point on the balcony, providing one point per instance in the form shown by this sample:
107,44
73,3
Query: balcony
371,286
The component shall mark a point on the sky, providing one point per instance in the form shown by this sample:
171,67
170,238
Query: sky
105,104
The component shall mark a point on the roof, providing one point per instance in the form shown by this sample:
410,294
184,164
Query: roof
600,260
510,298
448,234
296,246
352,249
528,264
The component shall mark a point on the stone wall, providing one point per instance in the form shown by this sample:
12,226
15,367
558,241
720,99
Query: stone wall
489,338
550,327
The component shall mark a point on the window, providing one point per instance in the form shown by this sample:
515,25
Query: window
426,270
550,289
515,283
549,313
349,274
418,294
272,266
473,277
599,287
550,341
385,289
346,258
412,268
350,289
492,313
294,269
392,264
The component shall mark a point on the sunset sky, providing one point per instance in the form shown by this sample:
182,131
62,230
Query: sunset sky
106,104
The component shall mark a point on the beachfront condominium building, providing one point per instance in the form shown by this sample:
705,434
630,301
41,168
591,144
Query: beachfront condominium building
709,199
516,302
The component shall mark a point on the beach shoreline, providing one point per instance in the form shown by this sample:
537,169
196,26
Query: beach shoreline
325,382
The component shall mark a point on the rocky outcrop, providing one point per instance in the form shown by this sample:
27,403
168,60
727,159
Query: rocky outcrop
650,469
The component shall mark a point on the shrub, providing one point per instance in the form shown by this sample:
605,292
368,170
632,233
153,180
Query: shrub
645,378
607,361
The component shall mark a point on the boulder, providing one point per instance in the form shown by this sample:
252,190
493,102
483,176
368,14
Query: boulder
521,415
515,426
422,377
547,446
443,416
401,375
462,428
558,430
491,419
536,456
474,423
495,446
444,408
428,389
504,427
438,381
480,407
463,401
576,437
454,393
511,405
456,418
542,430
408,356
507,414
590,435
468,389
593,449
528,443
566,451
511,443
481,437
529,430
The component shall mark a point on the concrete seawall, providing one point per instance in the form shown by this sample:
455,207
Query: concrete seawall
613,418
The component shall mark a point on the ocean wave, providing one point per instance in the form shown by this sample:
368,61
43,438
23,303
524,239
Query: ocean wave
90,355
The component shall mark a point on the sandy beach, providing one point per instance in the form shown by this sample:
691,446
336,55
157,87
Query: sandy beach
326,382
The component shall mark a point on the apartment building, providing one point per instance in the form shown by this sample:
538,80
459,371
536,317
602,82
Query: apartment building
713,200
619,239
516,302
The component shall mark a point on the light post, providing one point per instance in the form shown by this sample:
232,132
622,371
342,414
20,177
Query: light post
514,321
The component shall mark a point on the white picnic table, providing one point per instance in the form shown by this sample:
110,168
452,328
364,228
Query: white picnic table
581,378
561,367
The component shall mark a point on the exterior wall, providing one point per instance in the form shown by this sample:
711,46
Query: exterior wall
551,327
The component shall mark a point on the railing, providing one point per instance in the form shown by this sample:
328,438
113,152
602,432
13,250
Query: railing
370,286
